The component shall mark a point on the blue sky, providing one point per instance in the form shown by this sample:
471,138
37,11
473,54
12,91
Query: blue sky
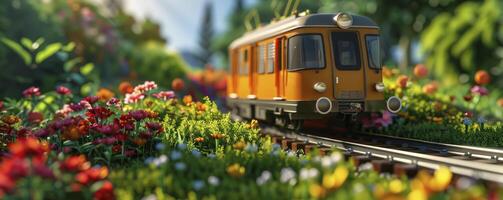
180,19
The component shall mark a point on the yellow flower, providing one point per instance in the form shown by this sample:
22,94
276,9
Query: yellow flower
379,191
395,186
254,123
417,195
317,191
235,170
239,145
441,179
336,179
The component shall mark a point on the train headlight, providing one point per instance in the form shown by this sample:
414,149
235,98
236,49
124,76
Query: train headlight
343,20
320,87
379,87
394,104
323,105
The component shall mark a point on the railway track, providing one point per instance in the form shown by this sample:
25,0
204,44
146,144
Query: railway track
475,162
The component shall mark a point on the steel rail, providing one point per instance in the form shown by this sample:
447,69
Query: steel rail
469,151
484,171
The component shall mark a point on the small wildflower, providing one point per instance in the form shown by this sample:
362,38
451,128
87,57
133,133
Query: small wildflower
175,155
10,119
308,173
420,71
160,160
254,123
213,180
35,117
182,146
177,84
217,136
104,94
62,90
199,139
160,146
125,87
402,80
198,184
235,170
239,145
482,77
287,174
479,90
467,121
164,95
180,166
264,177
31,92
187,100
252,148
133,97
481,120
211,155
196,153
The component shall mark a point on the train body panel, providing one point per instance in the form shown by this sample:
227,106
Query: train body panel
306,68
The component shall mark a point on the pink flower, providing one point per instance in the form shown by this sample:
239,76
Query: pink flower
133,97
147,86
31,91
385,120
479,90
62,90
164,95
65,110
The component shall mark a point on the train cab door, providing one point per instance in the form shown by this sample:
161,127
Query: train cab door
279,71
349,77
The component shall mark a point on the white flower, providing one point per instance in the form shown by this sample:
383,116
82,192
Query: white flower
365,167
196,153
308,173
287,174
161,160
149,197
213,180
264,177
329,161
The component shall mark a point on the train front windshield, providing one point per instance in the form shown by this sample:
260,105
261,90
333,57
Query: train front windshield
347,50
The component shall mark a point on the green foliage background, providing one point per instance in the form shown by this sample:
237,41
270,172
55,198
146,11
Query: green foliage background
107,37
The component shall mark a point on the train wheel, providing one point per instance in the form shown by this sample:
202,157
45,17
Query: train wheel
297,124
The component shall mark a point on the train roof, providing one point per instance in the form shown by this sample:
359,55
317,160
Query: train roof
293,22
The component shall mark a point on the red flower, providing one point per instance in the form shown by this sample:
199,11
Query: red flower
130,153
14,168
31,92
420,71
164,95
99,112
97,173
62,90
91,99
199,139
138,114
106,192
35,117
24,132
482,77
154,126
126,121
43,171
402,80
28,147
6,184
177,84
117,148
82,178
1,105
75,163
125,87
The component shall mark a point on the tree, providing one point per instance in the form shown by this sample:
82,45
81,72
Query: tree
465,40
206,35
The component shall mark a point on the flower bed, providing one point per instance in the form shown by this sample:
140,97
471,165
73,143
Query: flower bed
156,146
457,115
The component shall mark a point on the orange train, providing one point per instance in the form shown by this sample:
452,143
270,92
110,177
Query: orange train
308,67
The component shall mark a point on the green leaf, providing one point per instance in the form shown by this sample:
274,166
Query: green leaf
27,43
38,43
86,89
86,69
68,66
18,49
69,47
47,52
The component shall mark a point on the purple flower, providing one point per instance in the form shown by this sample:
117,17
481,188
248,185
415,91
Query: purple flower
479,90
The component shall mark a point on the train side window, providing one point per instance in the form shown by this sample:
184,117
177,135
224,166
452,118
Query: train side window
373,49
243,62
305,52
270,57
261,58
